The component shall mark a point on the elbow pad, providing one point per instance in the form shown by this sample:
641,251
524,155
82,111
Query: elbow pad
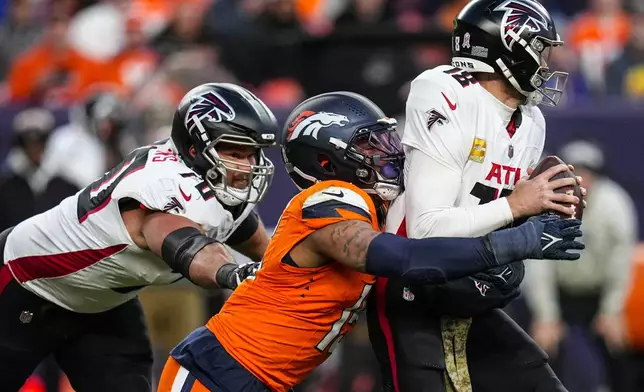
427,260
180,247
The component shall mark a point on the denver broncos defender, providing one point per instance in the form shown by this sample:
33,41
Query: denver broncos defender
472,132
345,155
70,276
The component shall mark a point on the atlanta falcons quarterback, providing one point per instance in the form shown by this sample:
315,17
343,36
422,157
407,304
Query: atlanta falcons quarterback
473,130
70,276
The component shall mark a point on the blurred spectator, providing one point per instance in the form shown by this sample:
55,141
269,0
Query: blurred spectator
18,32
589,293
153,14
18,189
136,62
279,15
448,12
179,73
51,70
186,30
92,141
577,89
269,48
598,36
625,76
281,94
366,13
232,18
98,32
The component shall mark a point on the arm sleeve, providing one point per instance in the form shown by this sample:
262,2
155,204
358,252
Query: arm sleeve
624,230
438,260
437,152
430,202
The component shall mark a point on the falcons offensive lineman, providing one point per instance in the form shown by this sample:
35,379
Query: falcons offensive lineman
472,131
70,276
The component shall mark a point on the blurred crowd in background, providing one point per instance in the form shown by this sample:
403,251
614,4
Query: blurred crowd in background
83,82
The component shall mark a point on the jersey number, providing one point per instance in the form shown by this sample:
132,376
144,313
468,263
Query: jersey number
349,316
97,194
463,77
486,194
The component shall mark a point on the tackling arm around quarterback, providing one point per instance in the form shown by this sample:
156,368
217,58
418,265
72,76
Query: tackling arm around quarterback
437,260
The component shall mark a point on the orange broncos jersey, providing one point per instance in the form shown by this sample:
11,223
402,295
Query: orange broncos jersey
284,323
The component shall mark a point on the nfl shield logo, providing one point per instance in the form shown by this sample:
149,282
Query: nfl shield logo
408,295
25,317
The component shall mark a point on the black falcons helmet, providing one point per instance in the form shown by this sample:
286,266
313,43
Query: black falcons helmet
225,113
343,136
515,39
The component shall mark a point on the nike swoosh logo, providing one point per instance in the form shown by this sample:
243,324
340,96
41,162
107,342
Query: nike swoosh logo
335,194
547,237
451,105
186,197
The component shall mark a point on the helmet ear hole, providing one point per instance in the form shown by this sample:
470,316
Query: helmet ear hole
326,164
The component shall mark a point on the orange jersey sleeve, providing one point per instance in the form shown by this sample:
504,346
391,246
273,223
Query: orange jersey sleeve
284,323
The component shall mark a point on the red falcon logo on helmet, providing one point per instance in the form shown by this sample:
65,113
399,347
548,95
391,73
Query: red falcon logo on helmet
518,17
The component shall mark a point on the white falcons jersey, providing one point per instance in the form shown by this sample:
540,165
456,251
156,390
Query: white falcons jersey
79,254
473,150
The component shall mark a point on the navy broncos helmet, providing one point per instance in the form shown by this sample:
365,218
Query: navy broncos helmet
343,136
513,38
215,113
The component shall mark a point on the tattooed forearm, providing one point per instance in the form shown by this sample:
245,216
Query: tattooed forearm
346,242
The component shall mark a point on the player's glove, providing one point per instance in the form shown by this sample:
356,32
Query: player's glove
229,276
541,237
558,236
505,278
473,295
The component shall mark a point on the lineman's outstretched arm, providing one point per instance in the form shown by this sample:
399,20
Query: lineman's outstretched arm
437,260
181,244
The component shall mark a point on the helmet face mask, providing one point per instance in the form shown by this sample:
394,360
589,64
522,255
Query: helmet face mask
549,85
378,151
218,115
514,38
542,86
259,175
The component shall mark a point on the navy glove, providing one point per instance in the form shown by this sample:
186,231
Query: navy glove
541,237
558,236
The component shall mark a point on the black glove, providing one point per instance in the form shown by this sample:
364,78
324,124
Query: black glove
558,236
473,295
229,276
505,278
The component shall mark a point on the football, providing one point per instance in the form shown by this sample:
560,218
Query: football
550,161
